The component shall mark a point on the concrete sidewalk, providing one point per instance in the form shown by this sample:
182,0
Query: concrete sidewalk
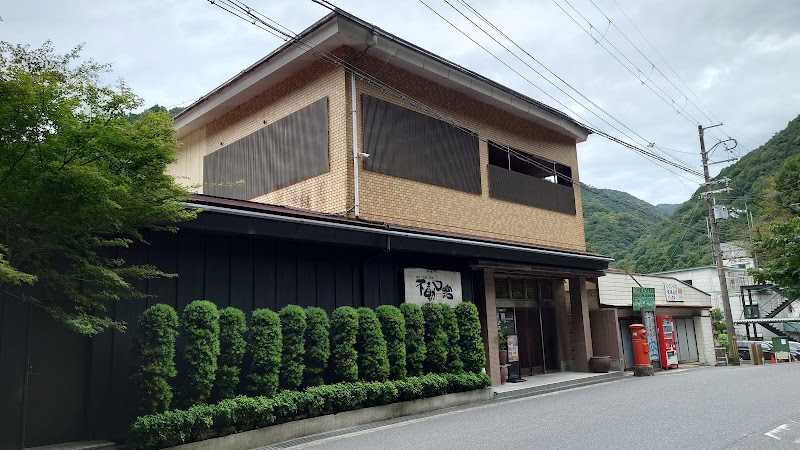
552,382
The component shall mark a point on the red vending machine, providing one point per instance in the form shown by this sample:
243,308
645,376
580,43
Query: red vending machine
666,342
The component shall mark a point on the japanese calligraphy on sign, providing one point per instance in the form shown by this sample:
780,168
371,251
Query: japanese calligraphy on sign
674,291
439,286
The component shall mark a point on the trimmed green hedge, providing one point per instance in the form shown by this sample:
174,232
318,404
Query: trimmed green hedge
154,353
373,365
435,339
450,327
266,343
415,338
200,327
393,326
473,353
318,346
293,330
344,358
232,345
246,413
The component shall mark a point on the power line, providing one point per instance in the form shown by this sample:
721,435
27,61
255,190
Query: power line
691,119
713,118
682,165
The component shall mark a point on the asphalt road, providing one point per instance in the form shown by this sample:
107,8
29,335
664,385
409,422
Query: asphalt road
748,407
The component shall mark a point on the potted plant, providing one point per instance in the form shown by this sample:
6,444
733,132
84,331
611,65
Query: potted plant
502,343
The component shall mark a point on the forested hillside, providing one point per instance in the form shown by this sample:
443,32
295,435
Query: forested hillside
615,219
680,240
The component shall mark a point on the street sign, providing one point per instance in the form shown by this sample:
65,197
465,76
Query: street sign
643,298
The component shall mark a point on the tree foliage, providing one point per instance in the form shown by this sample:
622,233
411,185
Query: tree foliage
415,338
293,330
393,325
473,352
450,327
76,178
344,357
373,364
264,352
435,339
232,328
200,328
318,346
154,356
778,242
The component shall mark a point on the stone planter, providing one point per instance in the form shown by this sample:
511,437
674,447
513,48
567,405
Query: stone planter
503,357
503,373
599,364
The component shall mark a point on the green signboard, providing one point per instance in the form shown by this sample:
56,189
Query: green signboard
643,298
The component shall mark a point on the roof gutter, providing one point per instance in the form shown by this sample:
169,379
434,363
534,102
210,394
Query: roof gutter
388,231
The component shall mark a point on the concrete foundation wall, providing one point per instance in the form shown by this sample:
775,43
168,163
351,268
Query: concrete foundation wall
307,427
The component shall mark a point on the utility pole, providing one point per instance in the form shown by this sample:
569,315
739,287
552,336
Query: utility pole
733,353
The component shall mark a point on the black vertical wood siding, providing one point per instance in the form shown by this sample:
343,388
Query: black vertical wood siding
407,144
284,152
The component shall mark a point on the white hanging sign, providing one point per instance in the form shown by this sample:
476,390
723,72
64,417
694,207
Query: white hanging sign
439,286
674,291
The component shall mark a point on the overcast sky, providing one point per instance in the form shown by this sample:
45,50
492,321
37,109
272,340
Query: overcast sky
741,57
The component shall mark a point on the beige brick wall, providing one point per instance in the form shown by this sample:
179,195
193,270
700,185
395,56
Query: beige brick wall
394,200
390,199
328,192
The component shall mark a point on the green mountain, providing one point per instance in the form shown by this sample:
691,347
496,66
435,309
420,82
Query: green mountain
614,220
668,208
681,240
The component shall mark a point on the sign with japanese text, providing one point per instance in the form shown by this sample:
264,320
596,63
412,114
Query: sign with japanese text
513,348
649,320
643,298
674,291
439,286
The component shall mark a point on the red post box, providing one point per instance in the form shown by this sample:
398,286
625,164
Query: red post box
641,349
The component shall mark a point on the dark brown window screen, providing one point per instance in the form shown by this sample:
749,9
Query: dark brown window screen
407,144
291,149
529,180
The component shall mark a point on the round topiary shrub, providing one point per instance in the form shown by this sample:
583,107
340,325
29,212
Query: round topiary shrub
293,330
232,327
450,327
373,364
154,354
265,348
415,338
318,346
473,352
344,358
393,326
200,328
435,339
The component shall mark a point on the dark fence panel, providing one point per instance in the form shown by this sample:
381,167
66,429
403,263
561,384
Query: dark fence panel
411,145
284,152
242,271
516,187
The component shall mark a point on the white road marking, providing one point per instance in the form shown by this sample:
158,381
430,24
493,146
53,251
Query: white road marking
773,433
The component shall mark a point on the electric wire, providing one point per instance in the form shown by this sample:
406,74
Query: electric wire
691,119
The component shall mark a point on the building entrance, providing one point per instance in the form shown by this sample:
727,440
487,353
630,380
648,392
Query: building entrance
526,308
